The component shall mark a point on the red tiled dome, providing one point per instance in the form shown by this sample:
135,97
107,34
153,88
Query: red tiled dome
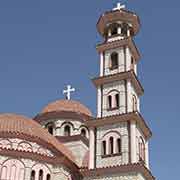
18,126
67,105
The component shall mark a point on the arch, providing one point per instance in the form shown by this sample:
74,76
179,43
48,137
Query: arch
5,144
12,169
41,173
48,177
67,130
134,103
50,127
124,29
141,149
25,146
33,174
83,132
113,99
114,61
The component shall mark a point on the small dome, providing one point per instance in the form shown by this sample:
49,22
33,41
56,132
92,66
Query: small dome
67,106
18,126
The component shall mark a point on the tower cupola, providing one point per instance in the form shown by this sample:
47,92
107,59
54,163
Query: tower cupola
118,24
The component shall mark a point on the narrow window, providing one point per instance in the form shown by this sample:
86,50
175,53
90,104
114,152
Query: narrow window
132,63
48,177
32,175
111,144
134,99
41,174
117,100
104,148
114,61
49,127
67,131
124,29
114,31
83,132
118,145
110,102
141,149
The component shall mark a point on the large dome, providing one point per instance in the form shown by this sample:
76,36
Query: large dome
67,106
18,126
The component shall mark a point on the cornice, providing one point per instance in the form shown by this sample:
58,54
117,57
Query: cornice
120,43
129,168
126,117
66,139
118,77
114,16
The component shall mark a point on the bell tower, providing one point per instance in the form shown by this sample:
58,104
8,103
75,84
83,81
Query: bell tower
119,134
118,88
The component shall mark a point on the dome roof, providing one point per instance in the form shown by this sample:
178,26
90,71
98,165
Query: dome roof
18,126
68,106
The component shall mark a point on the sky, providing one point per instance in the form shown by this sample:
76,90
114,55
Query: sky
47,44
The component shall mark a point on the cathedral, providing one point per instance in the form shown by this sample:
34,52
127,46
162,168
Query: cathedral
66,142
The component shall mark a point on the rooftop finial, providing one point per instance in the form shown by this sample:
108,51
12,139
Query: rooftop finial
119,7
68,92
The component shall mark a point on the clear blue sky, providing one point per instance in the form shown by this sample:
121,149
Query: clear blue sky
45,45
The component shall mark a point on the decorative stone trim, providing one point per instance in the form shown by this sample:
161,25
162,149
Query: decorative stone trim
61,114
66,139
120,43
126,117
118,77
129,168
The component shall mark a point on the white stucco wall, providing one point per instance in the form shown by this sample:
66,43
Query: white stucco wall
122,129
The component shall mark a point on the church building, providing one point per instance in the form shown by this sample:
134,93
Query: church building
66,142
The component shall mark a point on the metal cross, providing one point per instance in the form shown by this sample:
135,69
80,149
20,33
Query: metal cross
68,92
119,7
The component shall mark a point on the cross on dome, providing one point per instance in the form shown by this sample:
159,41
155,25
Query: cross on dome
119,7
68,92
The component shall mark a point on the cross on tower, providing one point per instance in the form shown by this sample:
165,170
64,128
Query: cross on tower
68,92
119,7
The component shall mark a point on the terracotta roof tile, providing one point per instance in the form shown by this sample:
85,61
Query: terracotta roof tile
13,125
67,105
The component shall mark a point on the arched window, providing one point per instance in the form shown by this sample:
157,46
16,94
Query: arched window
118,145
114,61
134,103
114,30
109,102
33,175
104,148
132,63
117,100
83,132
49,127
141,149
111,145
48,177
40,175
67,130
124,29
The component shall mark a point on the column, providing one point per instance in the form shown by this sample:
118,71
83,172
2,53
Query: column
91,148
101,64
129,97
133,141
99,103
